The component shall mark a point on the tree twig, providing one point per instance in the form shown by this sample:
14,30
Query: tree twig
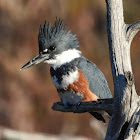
101,104
132,30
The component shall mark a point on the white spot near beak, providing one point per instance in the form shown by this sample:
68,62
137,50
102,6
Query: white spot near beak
45,50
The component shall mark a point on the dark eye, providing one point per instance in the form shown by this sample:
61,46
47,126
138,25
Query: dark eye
52,48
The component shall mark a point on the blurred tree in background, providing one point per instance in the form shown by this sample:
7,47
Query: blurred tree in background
26,96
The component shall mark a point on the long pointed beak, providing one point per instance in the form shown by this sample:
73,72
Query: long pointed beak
34,61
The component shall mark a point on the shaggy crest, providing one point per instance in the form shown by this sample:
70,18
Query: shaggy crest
47,33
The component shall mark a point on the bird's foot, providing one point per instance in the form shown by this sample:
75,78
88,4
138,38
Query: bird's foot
60,103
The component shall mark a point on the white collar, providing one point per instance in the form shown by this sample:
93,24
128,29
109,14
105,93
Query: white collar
64,57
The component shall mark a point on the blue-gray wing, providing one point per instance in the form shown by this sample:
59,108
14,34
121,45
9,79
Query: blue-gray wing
97,82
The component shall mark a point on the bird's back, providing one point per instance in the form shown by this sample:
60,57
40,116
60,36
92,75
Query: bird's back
96,80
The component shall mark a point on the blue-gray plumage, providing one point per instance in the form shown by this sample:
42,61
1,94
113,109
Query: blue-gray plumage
96,79
76,78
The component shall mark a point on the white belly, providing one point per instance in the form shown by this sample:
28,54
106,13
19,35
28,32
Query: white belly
69,98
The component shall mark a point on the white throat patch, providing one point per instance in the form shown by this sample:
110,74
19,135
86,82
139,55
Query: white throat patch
64,57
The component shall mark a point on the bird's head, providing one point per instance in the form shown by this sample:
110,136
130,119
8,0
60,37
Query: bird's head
57,45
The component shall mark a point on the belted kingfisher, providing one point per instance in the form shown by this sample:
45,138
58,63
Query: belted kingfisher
76,78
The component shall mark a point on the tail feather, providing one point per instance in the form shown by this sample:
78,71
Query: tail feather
98,116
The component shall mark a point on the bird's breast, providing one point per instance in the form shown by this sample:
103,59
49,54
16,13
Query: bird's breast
70,98
64,76
72,85
77,91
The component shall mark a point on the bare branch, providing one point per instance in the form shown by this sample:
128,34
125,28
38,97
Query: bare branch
133,130
101,104
120,36
132,30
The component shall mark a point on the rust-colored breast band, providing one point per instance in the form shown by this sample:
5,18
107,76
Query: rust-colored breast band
81,86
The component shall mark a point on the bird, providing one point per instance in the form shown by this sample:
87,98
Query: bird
76,78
